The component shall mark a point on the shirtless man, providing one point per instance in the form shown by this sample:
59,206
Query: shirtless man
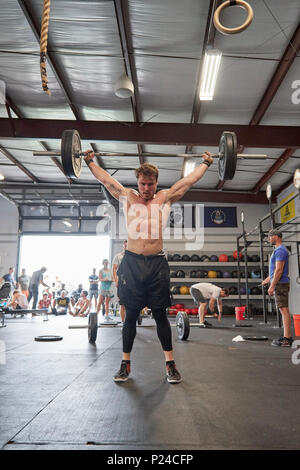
144,271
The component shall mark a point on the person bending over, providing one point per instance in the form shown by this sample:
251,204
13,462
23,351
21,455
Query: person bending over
205,292
144,271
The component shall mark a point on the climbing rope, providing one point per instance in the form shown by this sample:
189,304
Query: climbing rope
43,45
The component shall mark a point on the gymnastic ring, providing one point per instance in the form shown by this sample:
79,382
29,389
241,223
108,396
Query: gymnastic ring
238,29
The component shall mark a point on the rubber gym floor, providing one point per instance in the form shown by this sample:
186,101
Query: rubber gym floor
61,395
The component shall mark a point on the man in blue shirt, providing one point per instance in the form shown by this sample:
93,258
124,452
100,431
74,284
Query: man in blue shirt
9,277
280,285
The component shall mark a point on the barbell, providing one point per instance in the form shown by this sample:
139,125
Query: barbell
72,155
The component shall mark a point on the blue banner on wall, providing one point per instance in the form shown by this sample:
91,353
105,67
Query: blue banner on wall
220,217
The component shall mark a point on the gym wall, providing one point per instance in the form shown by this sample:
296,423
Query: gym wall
8,235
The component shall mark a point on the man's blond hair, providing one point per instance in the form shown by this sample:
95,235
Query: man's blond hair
147,169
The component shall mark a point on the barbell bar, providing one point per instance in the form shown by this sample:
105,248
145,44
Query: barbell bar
72,155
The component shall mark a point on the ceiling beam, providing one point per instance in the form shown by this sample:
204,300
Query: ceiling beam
16,162
152,132
275,167
61,79
282,69
122,15
196,195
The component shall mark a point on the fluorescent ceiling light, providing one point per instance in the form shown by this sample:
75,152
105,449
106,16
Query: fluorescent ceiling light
1,177
211,65
189,166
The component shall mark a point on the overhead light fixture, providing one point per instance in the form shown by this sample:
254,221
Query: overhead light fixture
189,166
1,177
124,87
210,68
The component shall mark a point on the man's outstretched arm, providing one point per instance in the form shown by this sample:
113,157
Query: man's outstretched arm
183,185
112,185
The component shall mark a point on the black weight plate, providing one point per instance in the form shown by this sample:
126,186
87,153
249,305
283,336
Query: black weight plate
182,325
228,156
93,327
48,338
255,338
70,147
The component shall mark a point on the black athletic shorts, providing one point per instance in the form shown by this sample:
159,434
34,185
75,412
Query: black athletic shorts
144,281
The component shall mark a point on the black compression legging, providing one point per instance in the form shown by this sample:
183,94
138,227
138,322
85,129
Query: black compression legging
163,329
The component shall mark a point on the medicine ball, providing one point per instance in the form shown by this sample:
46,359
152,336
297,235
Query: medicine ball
226,274
211,274
173,274
170,257
184,290
180,273
233,290
255,274
193,274
256,258
204,258
179,306
176,257
254,291
185,258
214,258
234,274
235,255
199,273
205,273
175,290
230,258
219,274
243,290
223,258
195,258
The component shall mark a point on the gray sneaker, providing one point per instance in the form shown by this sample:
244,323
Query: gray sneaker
123,373
173,375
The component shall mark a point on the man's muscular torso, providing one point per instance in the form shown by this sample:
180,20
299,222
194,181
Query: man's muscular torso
146,220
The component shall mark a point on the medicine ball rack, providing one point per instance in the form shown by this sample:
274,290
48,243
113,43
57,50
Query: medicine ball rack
207,265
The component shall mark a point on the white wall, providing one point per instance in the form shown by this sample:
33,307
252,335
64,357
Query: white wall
8,235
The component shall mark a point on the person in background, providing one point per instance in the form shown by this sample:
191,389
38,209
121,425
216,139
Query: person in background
105,289
44,302
280,285
82,305
9,278
204,292
23,283
115,266
18,301
76,294
35,281
63,288
93,292
62,304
